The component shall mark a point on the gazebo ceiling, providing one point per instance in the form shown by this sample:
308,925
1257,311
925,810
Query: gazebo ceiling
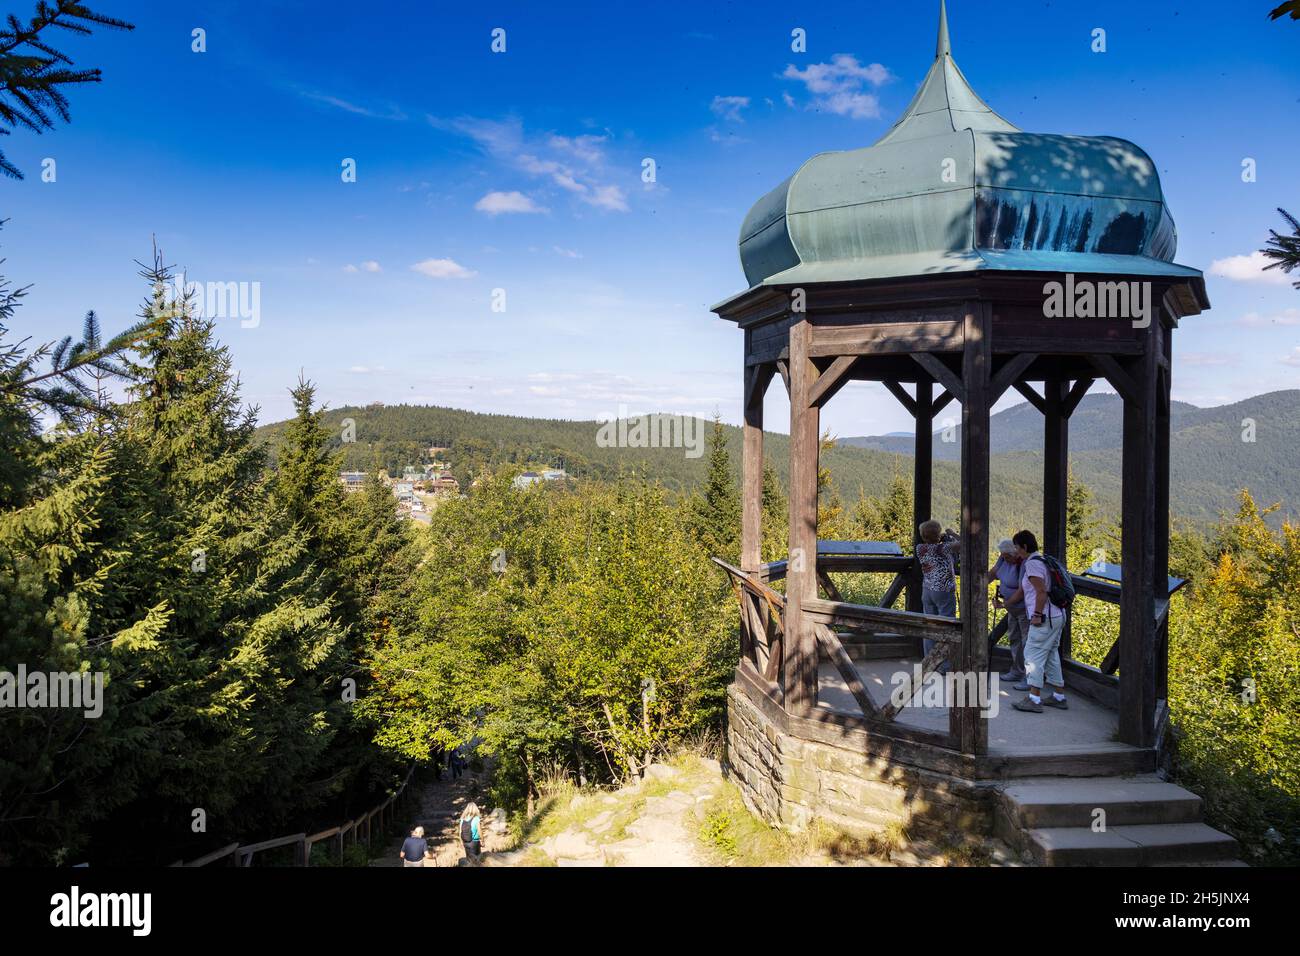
954,187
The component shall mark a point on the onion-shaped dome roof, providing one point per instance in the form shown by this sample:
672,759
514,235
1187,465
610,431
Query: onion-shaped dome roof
954,187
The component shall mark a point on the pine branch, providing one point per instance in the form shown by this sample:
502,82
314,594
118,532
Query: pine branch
1291,7
32,70
1283,249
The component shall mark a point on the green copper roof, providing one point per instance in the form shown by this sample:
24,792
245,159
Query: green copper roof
953,187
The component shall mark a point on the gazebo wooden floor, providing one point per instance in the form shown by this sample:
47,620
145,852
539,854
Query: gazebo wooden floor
1086,724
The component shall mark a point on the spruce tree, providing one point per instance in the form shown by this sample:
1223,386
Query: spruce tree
238,697
717,507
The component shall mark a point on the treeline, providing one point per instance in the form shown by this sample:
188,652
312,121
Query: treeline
227,608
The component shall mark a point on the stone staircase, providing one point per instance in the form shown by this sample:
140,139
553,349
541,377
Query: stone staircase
1148,822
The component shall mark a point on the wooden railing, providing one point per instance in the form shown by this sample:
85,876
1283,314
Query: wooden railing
763,612
360,829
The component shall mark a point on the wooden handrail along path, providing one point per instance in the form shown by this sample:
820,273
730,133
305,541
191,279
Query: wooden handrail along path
360,829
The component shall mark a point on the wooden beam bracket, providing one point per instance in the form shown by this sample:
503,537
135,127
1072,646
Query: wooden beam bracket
1009,374
900,393
941,374
831,381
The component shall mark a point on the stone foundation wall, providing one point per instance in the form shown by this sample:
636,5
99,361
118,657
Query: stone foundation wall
790,782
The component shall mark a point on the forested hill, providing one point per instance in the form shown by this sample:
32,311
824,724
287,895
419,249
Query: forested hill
1210,460
398,435
1210,456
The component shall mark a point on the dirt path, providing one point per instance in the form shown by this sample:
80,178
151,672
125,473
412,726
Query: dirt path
440,806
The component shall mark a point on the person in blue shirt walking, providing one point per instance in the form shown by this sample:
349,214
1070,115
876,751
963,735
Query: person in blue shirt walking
413,847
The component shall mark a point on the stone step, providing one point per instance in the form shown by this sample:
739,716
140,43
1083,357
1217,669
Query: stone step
1127,802
1147,845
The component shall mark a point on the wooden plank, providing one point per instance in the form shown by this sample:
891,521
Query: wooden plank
880,619
1160,577
922,479
215,855
1056,467
1137,522
1098,590
938,654
831,381
941,374
1027,390
834,648
827,547
1092,683
967,724
1067,345
752,583
800,643
895,589
751,534
828,585
866,564
941,403
900,393
892,338
783,368
1079,390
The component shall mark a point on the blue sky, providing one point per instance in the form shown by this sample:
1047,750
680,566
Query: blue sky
522,171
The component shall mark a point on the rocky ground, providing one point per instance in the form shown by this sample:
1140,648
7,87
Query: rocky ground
683,813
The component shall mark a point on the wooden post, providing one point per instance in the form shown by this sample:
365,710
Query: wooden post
1161,581
922,478
968,727
1056,466
1056,478
800,644
751,537
1137,684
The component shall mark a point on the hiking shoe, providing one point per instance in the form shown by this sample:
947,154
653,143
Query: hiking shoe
1012,676
1050,701
1021,685
1028,705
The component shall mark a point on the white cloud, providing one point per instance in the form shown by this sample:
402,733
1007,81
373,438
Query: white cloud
838,86
443,269
350,268
586,147
367,369
496,203
1208,359
568,253
1294,357
1284,317
390,112
606,197
573,163
370,265
729,107
1249,269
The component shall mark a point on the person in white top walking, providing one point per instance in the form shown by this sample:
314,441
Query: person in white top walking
1046,622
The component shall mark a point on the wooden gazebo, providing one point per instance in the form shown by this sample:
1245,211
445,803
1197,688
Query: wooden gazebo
927,262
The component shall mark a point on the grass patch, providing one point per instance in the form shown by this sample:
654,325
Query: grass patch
730,835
